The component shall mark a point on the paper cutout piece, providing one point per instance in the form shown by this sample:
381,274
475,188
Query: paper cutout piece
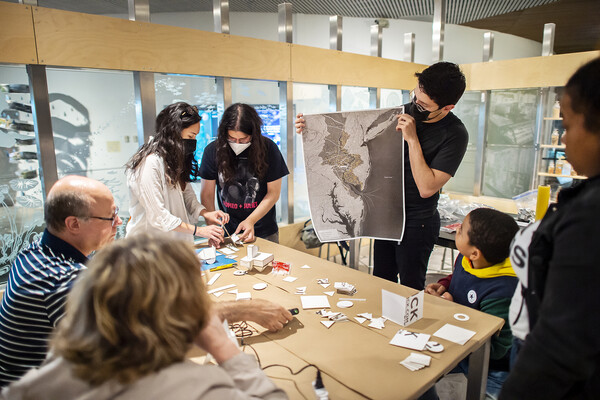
243,296
289,279
366,315
360,320
305,266
328,323
329,293
213,279
309,302
219,289
234,291
410,340
378,323
345,304
325,285
402,310
217,294
454,334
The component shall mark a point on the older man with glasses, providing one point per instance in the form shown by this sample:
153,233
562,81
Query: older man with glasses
81,217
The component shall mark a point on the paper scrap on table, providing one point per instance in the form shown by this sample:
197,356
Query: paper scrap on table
243,296
454,334
378,323
416,361
234,291
301,290
289,279
219,289
366,315
329,293
217,294
309,302
213,279
328,323
226,251
410,340
325,285
305,266
360,320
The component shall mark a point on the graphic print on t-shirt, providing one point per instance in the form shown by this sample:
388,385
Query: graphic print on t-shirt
241,192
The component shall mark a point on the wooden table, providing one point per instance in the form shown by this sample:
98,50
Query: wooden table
356,361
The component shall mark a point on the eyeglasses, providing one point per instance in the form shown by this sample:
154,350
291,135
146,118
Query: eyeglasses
188,112
114,218
245,140
414,100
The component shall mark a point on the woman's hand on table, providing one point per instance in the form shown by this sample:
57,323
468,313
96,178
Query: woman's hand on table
213,233
247,226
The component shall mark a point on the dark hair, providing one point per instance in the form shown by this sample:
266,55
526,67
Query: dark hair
167,143
243,118
584,90
61,205
443,82
491,231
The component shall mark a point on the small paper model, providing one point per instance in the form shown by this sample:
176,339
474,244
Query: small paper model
252,250
402,310
208,255
246,263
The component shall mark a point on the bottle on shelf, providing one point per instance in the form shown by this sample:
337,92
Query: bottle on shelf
558,168
556,110
551,167
554,137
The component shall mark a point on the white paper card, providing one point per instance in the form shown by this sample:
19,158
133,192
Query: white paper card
366,315
226,251
402,310
213,279
410,340
360,320
454,334
325,285
289,279
329,293
422,359
305,266
217,294
219,289
309,302
243,296
328,323
377,323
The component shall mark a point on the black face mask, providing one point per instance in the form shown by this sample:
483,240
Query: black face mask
190,146
413,111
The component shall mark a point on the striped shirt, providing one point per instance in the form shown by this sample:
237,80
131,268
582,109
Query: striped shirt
40,279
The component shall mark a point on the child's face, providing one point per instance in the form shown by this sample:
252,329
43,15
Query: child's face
462,238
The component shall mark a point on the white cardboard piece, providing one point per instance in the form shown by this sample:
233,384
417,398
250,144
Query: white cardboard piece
454,334
252,250
319,301
410,340
402,310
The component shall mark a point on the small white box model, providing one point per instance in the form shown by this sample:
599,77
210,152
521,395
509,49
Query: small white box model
262,259
252,250
246,263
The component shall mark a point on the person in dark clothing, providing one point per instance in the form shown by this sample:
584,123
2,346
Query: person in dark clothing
556,260
246,169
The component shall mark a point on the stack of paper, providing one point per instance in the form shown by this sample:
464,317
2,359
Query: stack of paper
416,361
301,290
410,340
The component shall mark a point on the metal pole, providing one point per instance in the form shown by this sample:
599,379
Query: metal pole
439,22
375,93
548,41
484,110
29,2
409,47
42,122
335,43
221,20
488,46
286,118
143,82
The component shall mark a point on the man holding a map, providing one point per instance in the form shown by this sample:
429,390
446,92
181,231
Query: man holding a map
435,141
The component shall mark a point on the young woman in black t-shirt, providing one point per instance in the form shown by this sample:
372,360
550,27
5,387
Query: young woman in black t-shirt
245,168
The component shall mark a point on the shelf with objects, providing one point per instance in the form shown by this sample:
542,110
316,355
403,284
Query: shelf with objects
553,168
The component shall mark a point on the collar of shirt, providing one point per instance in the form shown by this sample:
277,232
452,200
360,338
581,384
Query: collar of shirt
60,246
503,268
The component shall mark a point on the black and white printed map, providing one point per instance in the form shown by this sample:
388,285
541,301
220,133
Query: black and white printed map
355,174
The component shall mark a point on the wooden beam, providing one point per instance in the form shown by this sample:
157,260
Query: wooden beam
314,65
91,41
525,72
17,39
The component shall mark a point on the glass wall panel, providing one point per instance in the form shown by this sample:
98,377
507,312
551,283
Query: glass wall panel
392,97
467,110
114,8
94,126
509,151
21,197
355,98
308,99
264,97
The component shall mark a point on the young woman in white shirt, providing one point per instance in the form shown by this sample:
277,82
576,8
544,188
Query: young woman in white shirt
159,176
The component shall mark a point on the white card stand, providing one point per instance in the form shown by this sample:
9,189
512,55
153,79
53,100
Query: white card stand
402,310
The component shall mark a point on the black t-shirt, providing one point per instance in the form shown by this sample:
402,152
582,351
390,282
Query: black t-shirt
443,144
240,197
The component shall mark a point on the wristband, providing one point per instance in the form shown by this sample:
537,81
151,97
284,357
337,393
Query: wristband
195,228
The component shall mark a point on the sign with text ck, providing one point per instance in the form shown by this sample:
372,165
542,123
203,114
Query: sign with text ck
402,310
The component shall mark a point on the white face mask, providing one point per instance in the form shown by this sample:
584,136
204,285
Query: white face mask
238,148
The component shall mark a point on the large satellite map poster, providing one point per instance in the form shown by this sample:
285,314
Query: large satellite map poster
355,174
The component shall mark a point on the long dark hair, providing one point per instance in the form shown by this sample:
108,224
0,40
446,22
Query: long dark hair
242,118
167,143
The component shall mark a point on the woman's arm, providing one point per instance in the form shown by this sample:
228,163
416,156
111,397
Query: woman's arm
247,225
